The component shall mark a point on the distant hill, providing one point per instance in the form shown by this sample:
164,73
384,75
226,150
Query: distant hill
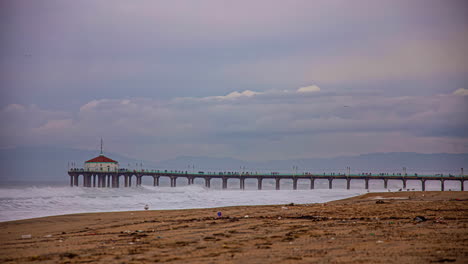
49,164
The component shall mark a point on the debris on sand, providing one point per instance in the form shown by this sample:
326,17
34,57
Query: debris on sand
68,255
419,219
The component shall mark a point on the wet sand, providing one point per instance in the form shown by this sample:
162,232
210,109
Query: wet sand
372,228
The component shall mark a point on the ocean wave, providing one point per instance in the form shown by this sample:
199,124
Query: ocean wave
29,202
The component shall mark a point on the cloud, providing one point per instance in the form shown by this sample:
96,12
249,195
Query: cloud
287,121
461,91
309,89
52,126
235,95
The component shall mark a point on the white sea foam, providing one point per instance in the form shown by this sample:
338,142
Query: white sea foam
29,202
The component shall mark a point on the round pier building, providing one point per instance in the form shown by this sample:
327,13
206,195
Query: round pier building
101,163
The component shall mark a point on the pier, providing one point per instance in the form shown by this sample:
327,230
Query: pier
127,178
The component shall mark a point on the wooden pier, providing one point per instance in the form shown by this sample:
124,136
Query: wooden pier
102,179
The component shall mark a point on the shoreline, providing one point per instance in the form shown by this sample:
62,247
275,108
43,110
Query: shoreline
374,227
221,207
87,200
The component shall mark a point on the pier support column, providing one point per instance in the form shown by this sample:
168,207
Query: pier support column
348,184
115,179
277,180
71,181
312,183
367,183
75,179
138,183
224,183
130,181
294,184
94,180
155,180
385,183
207,182
173,181
189,181
242,183
259,183
330,183
125,181
404,184
462,184
423,185
88,180
108,181
442,185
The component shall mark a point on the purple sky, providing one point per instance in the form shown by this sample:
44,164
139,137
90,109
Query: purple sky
254,80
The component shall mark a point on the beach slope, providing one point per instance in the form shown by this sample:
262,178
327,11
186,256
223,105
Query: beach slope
403,227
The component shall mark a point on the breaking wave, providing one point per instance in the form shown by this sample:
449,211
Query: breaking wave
30,202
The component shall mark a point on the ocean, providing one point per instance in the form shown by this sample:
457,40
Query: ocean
22,201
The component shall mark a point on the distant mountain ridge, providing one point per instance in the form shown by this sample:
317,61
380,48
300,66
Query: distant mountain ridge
50,163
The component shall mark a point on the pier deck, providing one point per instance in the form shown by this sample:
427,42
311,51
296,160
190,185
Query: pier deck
103,179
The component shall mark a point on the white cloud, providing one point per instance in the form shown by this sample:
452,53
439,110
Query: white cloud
89,106
309,89
229,97
52,126
461,91
236,94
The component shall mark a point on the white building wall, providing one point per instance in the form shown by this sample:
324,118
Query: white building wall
101,166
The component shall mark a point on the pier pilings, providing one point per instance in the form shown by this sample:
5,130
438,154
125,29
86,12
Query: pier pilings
111,179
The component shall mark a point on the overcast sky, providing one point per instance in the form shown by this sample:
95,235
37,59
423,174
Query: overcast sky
255,80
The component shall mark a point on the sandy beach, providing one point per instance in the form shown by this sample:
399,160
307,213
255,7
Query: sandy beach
403,227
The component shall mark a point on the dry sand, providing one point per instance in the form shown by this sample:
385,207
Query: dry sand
373,228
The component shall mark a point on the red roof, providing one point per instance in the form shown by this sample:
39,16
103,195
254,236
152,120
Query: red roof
101,158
